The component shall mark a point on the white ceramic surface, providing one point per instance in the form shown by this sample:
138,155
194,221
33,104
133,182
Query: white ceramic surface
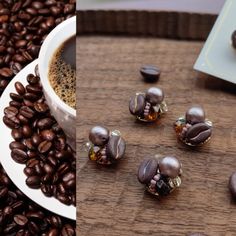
63,113
15,170
218,57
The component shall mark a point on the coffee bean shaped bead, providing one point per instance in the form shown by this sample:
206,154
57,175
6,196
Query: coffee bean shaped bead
147,170
198,133
195,115
170,167
99,135
150,73
154,96
232,184
115,148
137,104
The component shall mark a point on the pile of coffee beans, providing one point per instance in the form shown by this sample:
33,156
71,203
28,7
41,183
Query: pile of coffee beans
40,144
21,217
24,24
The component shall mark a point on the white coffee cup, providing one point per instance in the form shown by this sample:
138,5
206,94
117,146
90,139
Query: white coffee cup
63,113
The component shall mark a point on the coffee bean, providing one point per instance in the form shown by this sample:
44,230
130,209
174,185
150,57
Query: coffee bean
53,232
115,148
17,145
16,7
33,228
232,184
55,10
20,220
22,119
64,199
15,67
15,104
16,97
20,88
17,134
11,111
27,112
137,104
12,123
31,97
34,89
154,96
69,180
28,103
36,139
198,133
63,169
27,131
147,170
20,43
47,190
44,146
32,79
41,107
45,123
195,115
170,167
33,182
3,192
150,73
67,230
29,171
19,156
48,135
99,135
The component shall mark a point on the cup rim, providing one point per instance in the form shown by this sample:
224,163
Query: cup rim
44,74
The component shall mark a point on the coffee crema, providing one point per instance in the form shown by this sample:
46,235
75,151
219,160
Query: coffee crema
62,72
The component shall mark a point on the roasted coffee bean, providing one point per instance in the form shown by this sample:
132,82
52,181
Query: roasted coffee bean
12,123
27,131
19,156
195,115
3,192
28,143
63,169
154,96
33,228
41,107
17,145
15,104
20,220
20,89
232,184
32,79
99,135
35,215
29,171
44,146
6,72
150,73
137,104
28,103
16,97
32,154
32,162
34,89
48,135
67,230
198,133
47,190
31,97
17,134
11,111
170,167
115,148
69,180
33,182
233,37
64,155
147,170
60,144
64,199
53,232
36,139
23,120
26,112
48,169
45,123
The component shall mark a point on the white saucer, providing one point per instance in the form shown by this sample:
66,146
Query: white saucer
15,170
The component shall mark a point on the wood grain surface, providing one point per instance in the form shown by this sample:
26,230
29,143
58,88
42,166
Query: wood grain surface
110,200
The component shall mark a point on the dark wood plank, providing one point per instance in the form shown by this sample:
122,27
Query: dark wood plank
154,23
110,201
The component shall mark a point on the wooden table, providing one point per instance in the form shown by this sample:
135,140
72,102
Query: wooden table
110,201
